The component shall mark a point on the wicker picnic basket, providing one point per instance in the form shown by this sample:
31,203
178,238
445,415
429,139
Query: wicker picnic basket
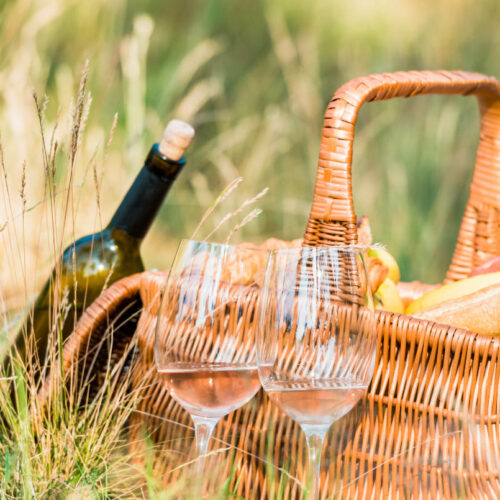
430,424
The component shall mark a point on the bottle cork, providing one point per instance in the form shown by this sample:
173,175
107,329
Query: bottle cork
176,139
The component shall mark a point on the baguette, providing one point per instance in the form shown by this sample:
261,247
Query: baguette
478,312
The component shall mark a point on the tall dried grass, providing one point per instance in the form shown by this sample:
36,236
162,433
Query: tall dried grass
60,447
66,444
254,82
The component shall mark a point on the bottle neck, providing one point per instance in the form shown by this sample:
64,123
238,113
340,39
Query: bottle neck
145,197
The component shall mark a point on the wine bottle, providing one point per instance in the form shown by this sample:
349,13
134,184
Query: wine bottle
92,262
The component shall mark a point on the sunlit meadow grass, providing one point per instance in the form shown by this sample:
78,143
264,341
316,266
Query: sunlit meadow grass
58,439
58,445
254,79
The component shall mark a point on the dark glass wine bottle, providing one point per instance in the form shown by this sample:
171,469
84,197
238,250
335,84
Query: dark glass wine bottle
92,262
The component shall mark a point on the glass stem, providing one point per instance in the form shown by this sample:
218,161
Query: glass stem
315,436
203,428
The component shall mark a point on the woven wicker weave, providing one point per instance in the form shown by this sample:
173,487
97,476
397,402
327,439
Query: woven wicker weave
430,424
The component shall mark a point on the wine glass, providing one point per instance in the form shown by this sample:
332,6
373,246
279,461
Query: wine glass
204,343
316,340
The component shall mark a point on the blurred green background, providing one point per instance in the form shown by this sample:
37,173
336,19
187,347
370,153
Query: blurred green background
254,79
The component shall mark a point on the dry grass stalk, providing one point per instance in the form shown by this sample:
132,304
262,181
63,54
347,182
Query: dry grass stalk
224,194
98,175
78,115
242,207
22,190
250,216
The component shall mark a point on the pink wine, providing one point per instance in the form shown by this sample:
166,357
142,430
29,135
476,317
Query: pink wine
211,390
315,402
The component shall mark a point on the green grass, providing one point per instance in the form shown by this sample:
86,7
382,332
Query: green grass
60,448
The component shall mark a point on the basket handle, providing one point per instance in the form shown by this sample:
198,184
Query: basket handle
332,219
